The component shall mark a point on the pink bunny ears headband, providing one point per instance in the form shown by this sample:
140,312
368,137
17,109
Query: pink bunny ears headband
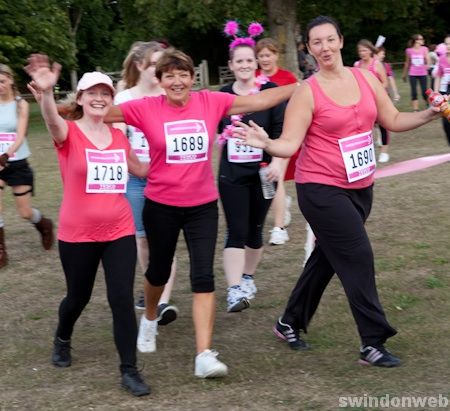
231,29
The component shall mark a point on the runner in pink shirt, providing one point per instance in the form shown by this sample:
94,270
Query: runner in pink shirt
333,113
416,66
442,81
366,51
181,194
95,220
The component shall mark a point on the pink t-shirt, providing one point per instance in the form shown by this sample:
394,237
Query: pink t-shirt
89,216
181,139
320,160
443,72
417,61
281,77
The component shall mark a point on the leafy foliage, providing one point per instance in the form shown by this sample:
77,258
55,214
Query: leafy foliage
84,34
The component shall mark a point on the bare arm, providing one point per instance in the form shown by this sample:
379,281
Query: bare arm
405,68
22,125
263,100
437,83
45,78
136,167
297,119
393,85
382,73
393,120
114,115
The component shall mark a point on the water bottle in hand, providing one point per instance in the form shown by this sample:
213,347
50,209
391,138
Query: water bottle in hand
268,187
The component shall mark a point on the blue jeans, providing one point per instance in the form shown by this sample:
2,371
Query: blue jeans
135,196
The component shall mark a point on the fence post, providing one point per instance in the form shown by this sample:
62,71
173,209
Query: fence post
205,73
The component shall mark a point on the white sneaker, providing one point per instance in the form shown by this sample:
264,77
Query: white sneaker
383,158
148,330
278,236
287,213
248,287
208,366
236,299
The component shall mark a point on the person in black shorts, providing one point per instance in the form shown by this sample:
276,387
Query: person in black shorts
14,168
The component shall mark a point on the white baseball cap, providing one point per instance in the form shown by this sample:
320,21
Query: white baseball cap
93,78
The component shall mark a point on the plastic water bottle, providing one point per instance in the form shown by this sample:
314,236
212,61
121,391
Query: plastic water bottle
437,100
268,187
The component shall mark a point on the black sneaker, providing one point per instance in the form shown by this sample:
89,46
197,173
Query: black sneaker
61,353
377,356
287,333
133,382
140,303
166,313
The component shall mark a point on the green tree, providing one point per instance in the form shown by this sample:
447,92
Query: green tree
30,26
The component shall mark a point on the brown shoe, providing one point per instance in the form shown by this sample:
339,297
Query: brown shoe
45,227
3,253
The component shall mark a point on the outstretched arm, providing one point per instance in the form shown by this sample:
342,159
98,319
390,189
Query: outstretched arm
393,120
45,77
263,100
297,119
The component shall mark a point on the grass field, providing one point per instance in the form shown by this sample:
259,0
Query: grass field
409,228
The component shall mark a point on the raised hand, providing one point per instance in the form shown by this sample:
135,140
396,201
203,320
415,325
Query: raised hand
35,90
252,134
44,76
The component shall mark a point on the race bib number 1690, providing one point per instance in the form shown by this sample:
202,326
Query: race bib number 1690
358,153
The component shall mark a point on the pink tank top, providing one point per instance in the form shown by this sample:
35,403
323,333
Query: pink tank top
371,67
321,159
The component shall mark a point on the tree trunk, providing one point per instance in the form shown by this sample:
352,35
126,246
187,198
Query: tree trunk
282,16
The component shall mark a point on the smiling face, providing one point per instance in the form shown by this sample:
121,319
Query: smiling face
243,63
96,100
177,84
325,44
268,61
364,53
6,83
418,40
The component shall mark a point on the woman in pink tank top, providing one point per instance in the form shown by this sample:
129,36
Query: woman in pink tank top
416,66
367,51
333,114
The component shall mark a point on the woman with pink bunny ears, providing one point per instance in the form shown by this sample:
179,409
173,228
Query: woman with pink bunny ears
239,184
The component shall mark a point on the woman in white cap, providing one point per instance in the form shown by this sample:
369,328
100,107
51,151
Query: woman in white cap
95,220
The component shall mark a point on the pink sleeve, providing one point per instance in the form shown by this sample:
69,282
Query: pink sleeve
134,111
223,101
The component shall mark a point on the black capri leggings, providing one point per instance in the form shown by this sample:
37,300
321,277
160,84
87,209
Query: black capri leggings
245,210
80,262
423,86
337,218
162,225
